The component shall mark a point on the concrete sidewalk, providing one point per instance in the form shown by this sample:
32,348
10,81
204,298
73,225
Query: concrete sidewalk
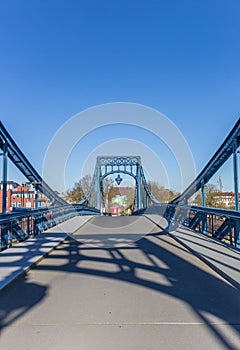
223,259
19,259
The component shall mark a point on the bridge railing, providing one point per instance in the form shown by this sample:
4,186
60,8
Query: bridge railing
17,227
220,224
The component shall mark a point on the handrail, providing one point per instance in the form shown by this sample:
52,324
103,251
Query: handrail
210,210
20,226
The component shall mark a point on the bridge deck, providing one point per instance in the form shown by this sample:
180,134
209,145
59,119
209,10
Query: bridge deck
222,258
122,283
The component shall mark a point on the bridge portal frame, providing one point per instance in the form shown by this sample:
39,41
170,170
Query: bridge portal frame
130,165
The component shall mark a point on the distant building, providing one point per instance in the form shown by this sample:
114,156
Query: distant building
119,201
22,196
225,199
221,200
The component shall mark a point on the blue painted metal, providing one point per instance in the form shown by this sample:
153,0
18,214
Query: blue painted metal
26,168
118,179
4,237
99,200
235,176
217,223
219,158
117,171
220,224
139,188
151,198
203,194
203,204
17,227
4,178
129,165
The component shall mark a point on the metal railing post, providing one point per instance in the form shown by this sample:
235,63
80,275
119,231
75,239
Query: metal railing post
4,236
235,176
139,192
203,194
4,179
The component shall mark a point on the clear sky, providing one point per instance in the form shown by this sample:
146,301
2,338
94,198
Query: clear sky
59,57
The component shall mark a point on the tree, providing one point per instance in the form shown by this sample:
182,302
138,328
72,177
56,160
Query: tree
130,198
198,198
161,193
107,184
213,197
80,189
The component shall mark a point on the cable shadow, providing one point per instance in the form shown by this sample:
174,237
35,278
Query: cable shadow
215,250
18,298
203,291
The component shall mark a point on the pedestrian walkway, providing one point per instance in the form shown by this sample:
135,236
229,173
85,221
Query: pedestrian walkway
19,259
222,258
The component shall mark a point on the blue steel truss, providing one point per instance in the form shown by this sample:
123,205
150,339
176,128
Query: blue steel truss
221,224
13,152
129,165
229,147
17,227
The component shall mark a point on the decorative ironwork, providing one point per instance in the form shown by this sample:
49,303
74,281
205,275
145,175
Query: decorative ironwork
119,160
118,179
129,165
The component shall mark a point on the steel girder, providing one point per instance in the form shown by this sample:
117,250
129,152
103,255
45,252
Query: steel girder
22,163
221,224
130,165
228,147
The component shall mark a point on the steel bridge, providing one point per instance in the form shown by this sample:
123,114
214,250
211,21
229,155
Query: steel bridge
169,270
128,165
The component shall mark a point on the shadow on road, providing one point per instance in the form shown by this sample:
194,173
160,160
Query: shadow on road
208,296
16,300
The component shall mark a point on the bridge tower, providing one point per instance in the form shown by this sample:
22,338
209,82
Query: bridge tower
129,165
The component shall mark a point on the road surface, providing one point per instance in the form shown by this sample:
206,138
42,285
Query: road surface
120,283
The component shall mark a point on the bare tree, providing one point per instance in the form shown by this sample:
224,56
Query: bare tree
161,193
79,190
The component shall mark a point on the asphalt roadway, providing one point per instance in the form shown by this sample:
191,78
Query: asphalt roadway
120,283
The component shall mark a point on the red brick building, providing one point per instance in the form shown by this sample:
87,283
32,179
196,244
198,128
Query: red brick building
22,196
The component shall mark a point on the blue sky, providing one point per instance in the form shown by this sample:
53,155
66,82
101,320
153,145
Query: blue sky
59,57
